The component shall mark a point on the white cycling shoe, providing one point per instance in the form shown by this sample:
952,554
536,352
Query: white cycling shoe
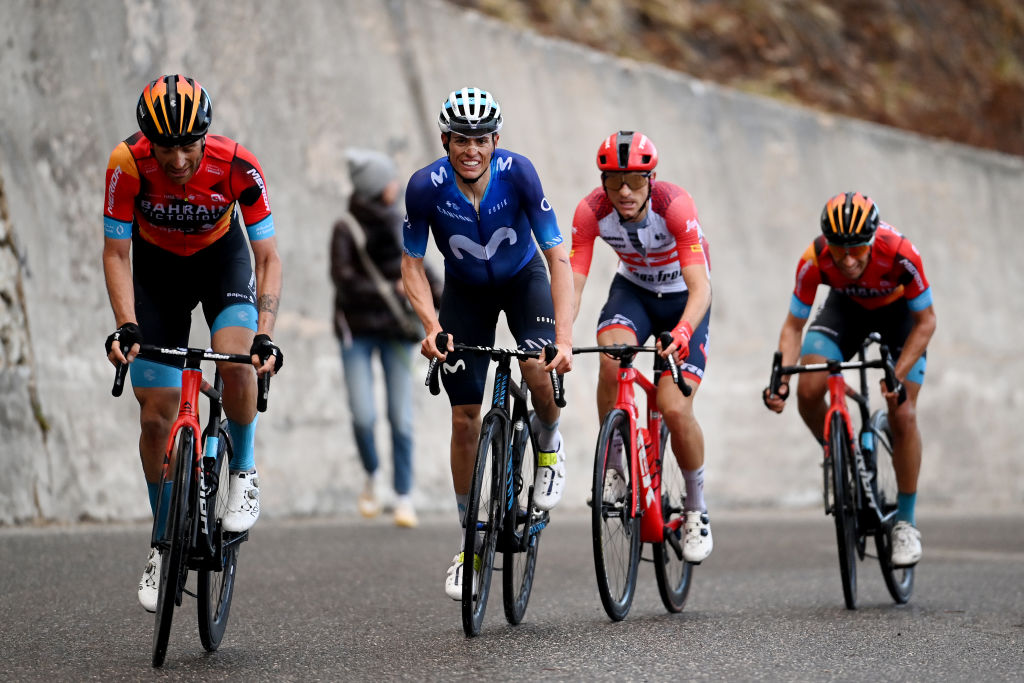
243,501
453,582
906,545
549,484
149,584
697,541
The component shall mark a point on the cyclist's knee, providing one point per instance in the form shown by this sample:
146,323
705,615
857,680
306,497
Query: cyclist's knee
236,375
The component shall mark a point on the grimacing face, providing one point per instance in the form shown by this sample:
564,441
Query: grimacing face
471,157
180,162
629,202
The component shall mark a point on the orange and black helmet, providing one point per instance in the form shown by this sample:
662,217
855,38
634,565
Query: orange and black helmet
849,219
627,151
174,110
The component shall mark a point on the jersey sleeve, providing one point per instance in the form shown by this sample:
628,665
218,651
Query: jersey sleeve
584,233
249,187
416,228
916,289
808,277
535,205
122,186
681,220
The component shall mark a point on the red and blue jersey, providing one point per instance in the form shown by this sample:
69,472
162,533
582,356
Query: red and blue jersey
894,271
183,219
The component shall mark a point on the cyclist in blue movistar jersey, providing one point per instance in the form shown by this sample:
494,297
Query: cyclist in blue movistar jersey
485,206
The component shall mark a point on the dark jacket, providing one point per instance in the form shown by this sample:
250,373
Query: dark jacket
359,307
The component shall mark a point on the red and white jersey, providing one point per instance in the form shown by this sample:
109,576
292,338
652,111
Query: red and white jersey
652,253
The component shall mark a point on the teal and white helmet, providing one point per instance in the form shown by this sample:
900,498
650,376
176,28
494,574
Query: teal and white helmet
471,112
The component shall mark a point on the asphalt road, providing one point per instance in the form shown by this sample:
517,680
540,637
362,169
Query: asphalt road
348,599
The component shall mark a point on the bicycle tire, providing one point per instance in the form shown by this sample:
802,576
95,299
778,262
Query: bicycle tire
174,560
670,569
216,587
518,566
844,511
615,529
482,524
898,580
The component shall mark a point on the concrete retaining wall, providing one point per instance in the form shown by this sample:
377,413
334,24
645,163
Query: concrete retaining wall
297,82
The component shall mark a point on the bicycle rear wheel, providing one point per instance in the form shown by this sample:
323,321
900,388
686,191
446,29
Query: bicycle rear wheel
216,587
899,580
518,564
844,507
615,527
483,516
178,535
671,570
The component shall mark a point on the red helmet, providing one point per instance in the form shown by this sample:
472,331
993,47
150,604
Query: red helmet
627,151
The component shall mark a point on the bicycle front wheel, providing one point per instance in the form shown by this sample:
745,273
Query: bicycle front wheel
899,580
178,535
215,587
844,507
520,540
671,570
615,527
483,516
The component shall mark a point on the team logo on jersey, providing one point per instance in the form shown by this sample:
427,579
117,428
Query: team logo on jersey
544,204
504,163
462,243
439,176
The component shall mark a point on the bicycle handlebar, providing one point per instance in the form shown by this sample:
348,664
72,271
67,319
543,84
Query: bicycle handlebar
550,351
192,354
884,363
619,351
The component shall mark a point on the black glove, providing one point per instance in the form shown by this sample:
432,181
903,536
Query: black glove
263,347
128,335
783,393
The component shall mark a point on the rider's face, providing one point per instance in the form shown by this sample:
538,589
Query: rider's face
851,261
630,198
181,162
471,157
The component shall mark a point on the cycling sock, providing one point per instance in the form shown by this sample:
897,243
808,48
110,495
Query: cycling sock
462,502
616,459
243,438
905,507
154,491
548,438
695,489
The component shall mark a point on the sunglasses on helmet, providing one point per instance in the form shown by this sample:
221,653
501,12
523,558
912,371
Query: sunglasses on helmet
615,181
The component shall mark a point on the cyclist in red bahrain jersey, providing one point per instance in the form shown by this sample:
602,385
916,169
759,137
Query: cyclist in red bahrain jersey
663,283
177,207
877,285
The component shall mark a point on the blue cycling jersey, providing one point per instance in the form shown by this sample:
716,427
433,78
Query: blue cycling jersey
491,247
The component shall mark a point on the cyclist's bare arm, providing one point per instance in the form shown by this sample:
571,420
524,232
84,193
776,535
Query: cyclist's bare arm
789,345
562,295
579,281
699,299
267,267
917,341
117,270
417,288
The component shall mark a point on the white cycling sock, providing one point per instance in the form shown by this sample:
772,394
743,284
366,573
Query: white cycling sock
695,489
548,438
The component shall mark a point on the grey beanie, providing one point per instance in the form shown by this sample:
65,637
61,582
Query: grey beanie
370,172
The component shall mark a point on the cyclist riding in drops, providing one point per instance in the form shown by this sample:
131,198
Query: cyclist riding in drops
176,199
877,285
481,203
663,282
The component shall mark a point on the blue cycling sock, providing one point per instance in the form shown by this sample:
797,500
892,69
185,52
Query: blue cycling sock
243,438
154,490
905,508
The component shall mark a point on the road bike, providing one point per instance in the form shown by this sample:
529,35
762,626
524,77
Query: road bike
196,466
650,508
859,476
501,515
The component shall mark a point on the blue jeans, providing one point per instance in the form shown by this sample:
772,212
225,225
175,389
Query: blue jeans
396,357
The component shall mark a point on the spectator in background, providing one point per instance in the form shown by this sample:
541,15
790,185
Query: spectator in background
372,314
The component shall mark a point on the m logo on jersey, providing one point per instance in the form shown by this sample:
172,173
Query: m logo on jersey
461,243
452,368
504,163
439,176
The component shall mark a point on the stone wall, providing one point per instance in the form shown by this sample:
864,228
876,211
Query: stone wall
297,82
